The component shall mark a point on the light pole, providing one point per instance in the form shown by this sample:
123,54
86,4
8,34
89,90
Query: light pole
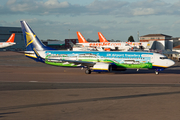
69,33
138,35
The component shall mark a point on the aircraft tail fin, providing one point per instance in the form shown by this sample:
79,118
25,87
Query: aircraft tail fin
81,39
31,39
101,37
150,45
11,38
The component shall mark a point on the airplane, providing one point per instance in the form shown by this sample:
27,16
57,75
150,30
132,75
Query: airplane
114,45
127,45
9,42
93,61
84,45
107,46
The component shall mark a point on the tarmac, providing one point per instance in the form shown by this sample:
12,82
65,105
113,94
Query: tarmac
32,90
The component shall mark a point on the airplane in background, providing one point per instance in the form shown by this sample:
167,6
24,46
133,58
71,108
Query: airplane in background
114,45
127,45
93,61
107,46
84,45
9,42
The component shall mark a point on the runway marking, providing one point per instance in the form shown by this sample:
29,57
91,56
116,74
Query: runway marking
33,81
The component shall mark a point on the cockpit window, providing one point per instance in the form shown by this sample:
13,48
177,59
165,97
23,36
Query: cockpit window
163,57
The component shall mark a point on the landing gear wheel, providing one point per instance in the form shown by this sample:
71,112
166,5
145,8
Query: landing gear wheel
156,72
88,71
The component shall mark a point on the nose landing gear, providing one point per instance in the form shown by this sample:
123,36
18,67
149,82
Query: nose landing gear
156,72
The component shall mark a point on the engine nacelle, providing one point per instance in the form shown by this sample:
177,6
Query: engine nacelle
102,67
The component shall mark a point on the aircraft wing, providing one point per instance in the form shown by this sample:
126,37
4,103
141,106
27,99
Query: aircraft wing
79,63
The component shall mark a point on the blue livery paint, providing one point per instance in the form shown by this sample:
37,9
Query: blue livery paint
31,40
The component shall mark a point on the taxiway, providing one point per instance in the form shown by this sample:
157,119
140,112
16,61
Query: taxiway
32,90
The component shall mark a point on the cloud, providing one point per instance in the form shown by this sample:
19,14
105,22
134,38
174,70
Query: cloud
105,7
108,7
56,4
10,2
143,11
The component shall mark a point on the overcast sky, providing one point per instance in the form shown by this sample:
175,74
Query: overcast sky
116,19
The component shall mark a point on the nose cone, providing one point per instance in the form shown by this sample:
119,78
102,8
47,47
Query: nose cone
170,63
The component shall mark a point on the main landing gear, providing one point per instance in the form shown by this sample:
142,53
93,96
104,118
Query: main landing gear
88,71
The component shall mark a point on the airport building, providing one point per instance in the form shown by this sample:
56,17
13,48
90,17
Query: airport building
56,44
70,42
5,33
161,41
176,41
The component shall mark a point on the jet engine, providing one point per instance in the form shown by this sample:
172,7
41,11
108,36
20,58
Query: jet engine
102,67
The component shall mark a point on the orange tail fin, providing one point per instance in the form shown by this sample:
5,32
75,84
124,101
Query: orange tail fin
11,38
101,37
81,39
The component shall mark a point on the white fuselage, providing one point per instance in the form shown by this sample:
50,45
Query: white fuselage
157,60
120,45
124,46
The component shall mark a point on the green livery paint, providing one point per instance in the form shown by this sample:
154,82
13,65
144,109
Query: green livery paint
61,64
126,64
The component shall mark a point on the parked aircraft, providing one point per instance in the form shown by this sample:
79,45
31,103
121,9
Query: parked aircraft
105,45
127,45
93,61
9,42
84,45
123,46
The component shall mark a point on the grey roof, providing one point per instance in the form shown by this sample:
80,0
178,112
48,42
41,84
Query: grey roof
156,35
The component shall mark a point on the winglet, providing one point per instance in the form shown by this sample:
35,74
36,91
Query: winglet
81,39
101,37
11,38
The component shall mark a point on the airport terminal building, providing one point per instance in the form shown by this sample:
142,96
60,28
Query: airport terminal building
161,41
5,33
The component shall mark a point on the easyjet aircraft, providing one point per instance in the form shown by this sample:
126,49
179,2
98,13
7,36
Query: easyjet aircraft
106,45
118,45
125,45
9,42
93,61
